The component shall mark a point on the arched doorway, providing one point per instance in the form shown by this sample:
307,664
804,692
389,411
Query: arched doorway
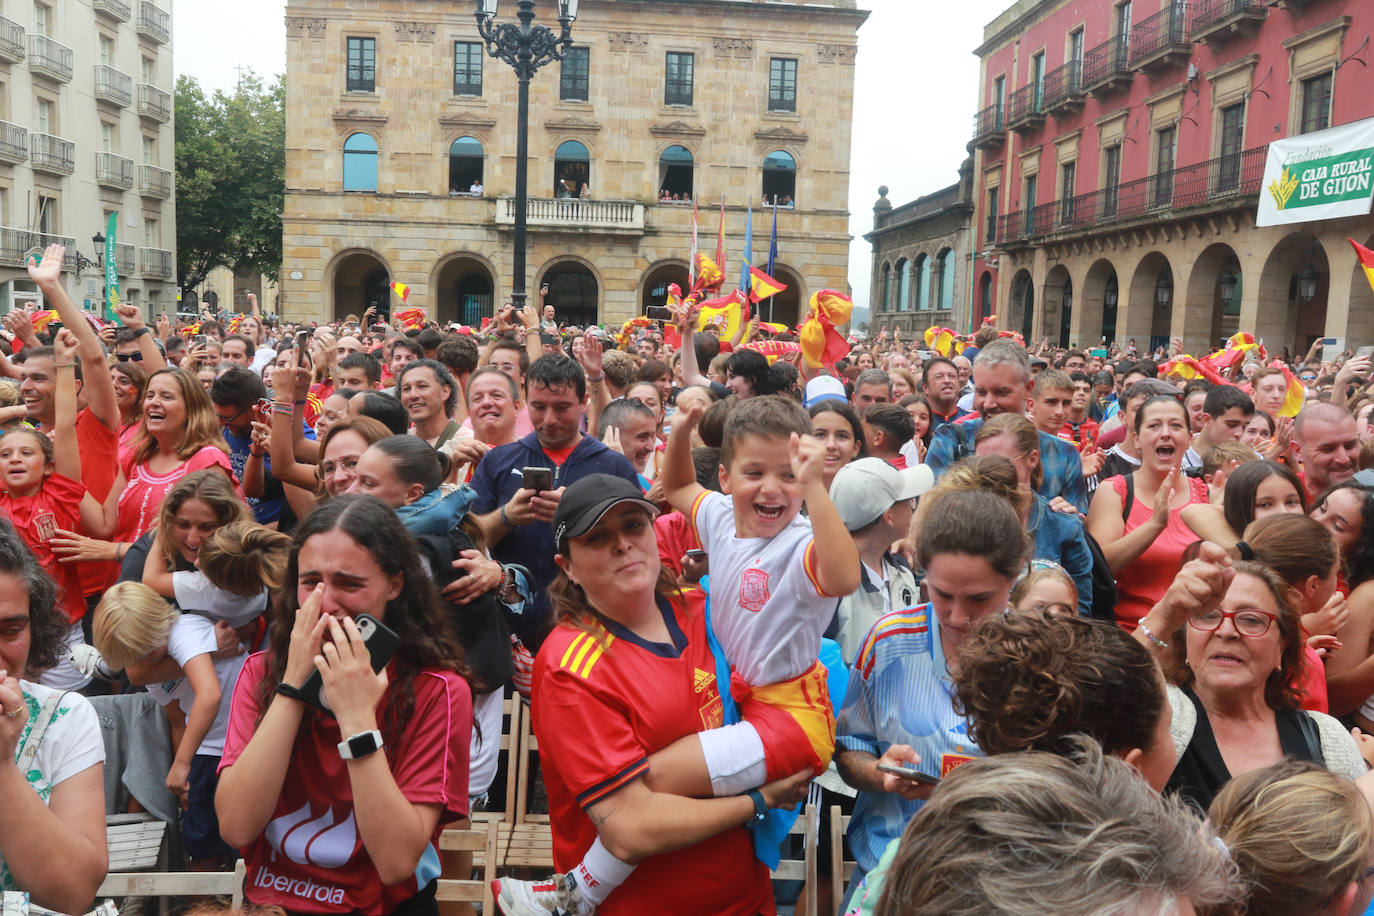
1152,294
1293,291
779,179
1022,317
361,280
1057,302
787,306
656,280
464,290
573,292
1214,290
984,299
1100,296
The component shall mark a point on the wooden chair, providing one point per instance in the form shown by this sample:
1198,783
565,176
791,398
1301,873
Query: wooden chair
479,840
135,842
176,884
804,869
513,715
841,869
531,838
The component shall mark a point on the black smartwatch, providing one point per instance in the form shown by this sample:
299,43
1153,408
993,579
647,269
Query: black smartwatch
361,745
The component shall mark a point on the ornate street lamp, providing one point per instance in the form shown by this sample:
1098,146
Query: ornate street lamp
1307,285
526,47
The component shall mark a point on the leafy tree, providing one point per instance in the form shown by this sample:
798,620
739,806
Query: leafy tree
231,178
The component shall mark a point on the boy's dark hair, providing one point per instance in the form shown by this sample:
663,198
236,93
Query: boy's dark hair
788,376
706,463
618,412
441,374
385,410
174,343
248,347
554,370
1080,377
366,362
408,343
1221,398
712,428
707,347
211,325
430,339
237,387
653,370
768,417
894,421
459,353
522,355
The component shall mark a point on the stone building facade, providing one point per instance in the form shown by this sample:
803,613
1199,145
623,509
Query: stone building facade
921,254
401,139
86,103
1120,149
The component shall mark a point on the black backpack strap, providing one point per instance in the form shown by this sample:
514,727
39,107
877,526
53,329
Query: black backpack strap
1129,502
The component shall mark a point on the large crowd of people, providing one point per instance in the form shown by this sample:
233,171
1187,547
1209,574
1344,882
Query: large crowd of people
1059,631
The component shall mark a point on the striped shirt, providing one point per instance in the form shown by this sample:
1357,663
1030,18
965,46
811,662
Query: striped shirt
899,693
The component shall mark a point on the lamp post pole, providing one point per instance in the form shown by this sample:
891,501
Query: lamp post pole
526,47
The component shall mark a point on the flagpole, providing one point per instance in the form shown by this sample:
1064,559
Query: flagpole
773,253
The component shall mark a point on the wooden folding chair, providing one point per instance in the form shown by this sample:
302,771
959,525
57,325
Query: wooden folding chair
804,869
531,838
480,841
512,715
841,869
176,884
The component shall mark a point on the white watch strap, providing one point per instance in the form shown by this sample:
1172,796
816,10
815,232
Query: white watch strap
346,751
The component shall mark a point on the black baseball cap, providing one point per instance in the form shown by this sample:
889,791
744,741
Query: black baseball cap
586,501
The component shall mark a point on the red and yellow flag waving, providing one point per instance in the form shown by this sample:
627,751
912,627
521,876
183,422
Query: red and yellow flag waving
726,314
761,286
401,290
1366,260
413,317
821,344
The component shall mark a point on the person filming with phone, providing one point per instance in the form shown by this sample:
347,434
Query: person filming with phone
347,748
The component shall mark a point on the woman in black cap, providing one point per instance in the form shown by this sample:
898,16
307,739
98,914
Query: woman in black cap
627,671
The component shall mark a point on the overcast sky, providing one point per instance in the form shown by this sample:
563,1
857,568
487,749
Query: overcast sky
915,92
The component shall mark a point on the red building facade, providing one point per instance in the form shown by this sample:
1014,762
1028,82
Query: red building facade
1119,151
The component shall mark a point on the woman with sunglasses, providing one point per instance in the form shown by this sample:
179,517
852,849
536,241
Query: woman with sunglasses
130,384
1230,651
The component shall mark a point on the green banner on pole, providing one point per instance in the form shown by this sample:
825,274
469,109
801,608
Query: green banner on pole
111,274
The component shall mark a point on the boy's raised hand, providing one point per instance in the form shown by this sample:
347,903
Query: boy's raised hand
808,459
688,419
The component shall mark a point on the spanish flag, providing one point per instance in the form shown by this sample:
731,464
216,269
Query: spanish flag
413,317
1366,260
401,290
941,340
761,286
1295,395
727,314
821,344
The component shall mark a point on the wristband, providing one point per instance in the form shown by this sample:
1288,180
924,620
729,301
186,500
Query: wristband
292,693
1150,636
64,365
506,519
597,378
760,806
143,330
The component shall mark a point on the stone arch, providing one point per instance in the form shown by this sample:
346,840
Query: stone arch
464,285
1212,305
1293,288
1021,309
1056,300
653,283
347,282
575,289
1100,300
1152,294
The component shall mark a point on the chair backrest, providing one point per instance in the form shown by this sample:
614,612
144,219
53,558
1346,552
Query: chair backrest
841,869
529,746
470,838
176,884
804,869
512,714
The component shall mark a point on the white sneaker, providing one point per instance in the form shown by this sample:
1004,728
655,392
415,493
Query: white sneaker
89,661
558,895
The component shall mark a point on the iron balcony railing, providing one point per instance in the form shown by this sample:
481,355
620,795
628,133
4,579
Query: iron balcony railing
11,41
51,154
15,244
153,22
1219,179
1108,61
1209,14
116,9
157,262
154,182
1025,105
113,85
989,123
14,142
1063,84
1158,33
154,103
113,171
50,57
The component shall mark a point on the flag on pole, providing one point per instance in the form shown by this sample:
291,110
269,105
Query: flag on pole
1366,260
111,273
720,236
401,290
773,242
692,255
748,256
762,286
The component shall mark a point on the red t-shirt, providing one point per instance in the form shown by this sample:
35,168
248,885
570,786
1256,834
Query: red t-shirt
141,500
628,701
559,455
676,536
311,859
99,448
1085,435
37,518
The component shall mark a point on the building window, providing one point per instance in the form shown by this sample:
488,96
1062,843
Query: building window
467,68
999,99
990,232
42,19
782,84
149,151
360,163
1164,166
48,212
779,179
572,166
921,274
151,237
107,51
1123,22
903,286
886,304
675,175
1076,48
944,263
1316,103
43,115
465,167
362,65
1111,172
1232,144
149,70
574,83
678,73
107,137
1068,173
1032,191
1038,79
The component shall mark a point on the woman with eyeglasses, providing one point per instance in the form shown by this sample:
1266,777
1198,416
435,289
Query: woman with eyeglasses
1228,637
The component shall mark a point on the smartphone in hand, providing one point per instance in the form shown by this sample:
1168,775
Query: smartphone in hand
537,479
381,644
911,773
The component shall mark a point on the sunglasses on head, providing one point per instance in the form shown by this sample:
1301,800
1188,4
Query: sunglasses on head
125,357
